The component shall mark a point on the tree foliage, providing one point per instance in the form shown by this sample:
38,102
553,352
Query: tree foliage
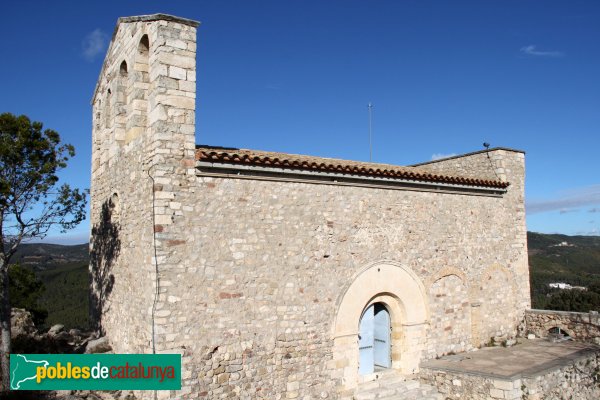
574,300
26,291
31,202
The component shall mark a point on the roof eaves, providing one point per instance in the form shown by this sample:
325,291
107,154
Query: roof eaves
314,164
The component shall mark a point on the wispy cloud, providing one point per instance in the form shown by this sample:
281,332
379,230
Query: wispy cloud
568,210
93,44
532,51
439,156
569,200
273,86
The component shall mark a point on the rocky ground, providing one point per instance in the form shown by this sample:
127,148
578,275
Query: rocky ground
26,339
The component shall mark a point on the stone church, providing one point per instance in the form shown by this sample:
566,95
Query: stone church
282,275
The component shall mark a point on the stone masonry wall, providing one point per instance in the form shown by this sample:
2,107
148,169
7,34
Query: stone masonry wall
580,326
450,329
252,296
148,77
577,380
250,272
453,385
500,286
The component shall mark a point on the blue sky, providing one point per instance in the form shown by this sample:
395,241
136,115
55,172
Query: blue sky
296,76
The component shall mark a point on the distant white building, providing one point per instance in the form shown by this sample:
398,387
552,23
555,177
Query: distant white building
565,286
560,286
563,244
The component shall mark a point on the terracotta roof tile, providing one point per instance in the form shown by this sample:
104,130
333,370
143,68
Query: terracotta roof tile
320,164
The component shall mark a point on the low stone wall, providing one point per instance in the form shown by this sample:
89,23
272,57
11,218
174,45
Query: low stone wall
580,326
458,385
577,380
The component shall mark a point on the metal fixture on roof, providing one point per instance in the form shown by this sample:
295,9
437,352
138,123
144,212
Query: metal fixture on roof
370,107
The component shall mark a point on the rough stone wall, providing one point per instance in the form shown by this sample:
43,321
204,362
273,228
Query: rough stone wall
473,387
250,272
483,164
450,308
499,288
577,380
148,77
496,296
264,263
580,326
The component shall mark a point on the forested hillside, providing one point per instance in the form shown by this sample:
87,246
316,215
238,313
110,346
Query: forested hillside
568,259
63,271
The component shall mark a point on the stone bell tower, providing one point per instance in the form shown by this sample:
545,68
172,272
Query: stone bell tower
142,154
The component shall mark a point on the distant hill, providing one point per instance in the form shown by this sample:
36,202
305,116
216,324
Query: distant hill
569,259
64,272
41,256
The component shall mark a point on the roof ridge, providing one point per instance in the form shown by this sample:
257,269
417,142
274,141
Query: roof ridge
268,152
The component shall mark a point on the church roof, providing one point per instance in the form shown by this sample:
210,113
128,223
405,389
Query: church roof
257,158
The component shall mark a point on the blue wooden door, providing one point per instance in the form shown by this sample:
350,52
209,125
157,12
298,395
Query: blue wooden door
366,363
381,337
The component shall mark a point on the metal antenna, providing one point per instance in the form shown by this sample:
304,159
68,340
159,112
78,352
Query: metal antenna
370,107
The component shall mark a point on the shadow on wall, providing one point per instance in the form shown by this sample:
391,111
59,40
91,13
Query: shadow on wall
105,246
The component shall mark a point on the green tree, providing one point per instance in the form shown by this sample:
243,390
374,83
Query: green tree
31,201
574,300
25,292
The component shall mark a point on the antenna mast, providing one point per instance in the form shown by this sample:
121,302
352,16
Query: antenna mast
370,107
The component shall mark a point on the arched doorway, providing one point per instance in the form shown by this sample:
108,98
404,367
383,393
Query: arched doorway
374,339
404,298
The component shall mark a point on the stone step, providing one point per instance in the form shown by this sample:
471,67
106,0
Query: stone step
382,379
425,392
393,386
385,390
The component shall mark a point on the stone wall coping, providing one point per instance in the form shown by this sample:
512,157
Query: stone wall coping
456,372
557,312
545,369
468,155
159,17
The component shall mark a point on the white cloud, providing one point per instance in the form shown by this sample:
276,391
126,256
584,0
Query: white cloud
94,44
567,201
531,50
439,156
